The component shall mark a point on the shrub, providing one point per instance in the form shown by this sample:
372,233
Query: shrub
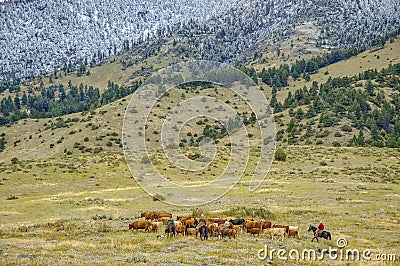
15,160
336,144
337,134
280,155
158,197
346,128
199,211
260,213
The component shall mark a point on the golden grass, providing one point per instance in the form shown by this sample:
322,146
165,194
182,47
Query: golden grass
94,219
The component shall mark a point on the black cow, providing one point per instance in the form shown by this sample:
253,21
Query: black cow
237,221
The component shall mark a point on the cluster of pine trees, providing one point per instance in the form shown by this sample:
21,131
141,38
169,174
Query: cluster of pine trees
357,99
56,100
278,76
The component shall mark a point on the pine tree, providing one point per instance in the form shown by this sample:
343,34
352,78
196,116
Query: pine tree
370,89
17,102
360,138
3,143
24,99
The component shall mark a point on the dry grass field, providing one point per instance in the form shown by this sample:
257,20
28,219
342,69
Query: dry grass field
76,210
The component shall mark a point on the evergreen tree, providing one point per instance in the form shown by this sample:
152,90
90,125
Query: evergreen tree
24,99
370,89
17,102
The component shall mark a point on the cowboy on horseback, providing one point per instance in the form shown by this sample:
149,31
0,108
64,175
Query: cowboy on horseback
202,222
201,228
227,224
320,228
170,221
170,229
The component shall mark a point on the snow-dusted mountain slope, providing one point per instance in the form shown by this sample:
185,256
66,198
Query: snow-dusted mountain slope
38,36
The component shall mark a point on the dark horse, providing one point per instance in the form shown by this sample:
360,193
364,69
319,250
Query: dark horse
203,231
170,230
324,234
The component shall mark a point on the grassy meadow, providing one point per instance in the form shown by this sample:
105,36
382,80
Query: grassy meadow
76,210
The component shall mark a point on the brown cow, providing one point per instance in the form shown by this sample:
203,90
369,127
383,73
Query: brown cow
254,231
163,219
252,224
191,231
238,228
189,222
180,218
177,223
180,229
146,225
212,229
216,220
155,226
294,231
227,232
164,214
266,224
149,215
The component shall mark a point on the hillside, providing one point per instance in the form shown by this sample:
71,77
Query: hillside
49,137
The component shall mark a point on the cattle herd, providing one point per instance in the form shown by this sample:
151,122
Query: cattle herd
229,227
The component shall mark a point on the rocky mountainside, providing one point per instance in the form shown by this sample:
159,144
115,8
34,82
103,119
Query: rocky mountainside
39,36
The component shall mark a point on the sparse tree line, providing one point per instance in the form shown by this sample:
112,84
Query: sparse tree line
358,99
56,100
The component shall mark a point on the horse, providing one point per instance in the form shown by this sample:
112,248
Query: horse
324,234
203,231
170,229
